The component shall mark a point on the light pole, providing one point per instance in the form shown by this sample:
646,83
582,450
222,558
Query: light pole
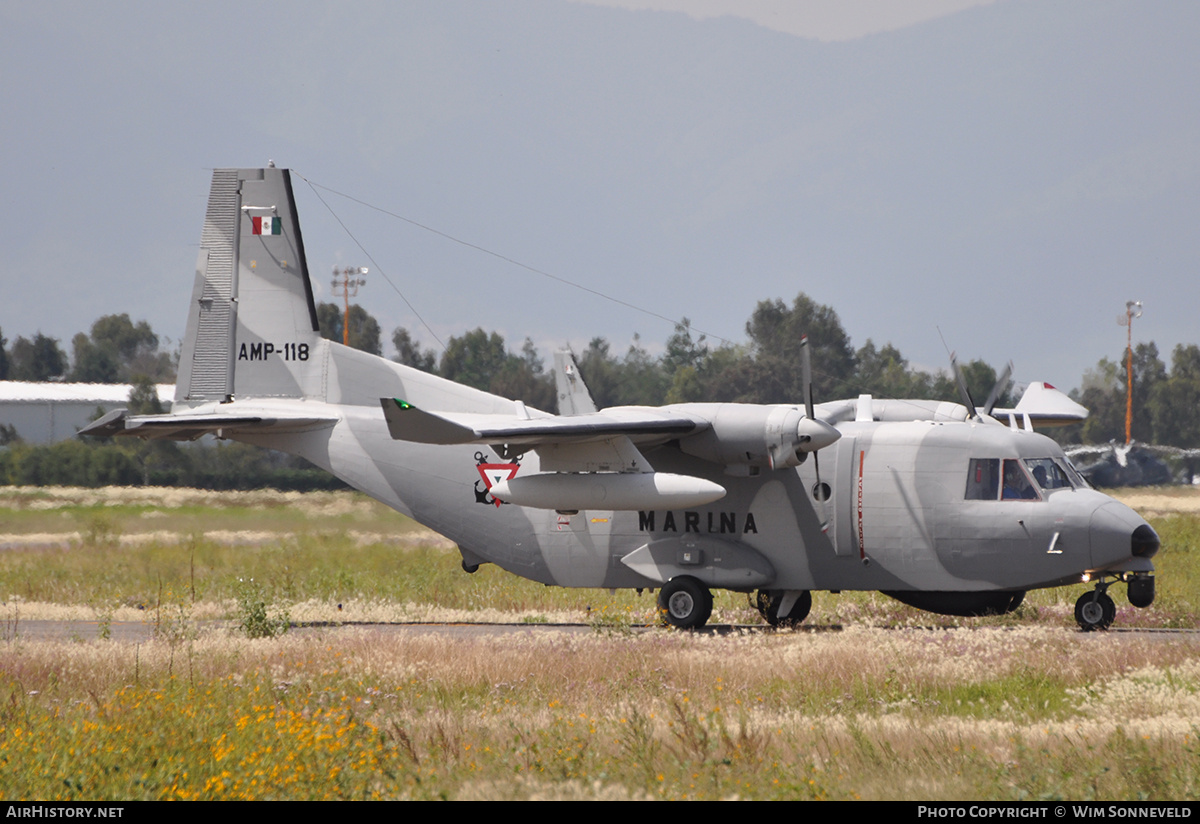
348,279
1133,309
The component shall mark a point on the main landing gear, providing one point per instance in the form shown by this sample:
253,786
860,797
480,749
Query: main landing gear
1095,610
784,608
684,603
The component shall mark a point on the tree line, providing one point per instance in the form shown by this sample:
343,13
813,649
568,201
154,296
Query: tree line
1166,402
766,368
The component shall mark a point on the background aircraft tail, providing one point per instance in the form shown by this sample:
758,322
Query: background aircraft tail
1045,406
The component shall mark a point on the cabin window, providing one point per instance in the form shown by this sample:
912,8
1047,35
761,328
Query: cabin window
983,479
1048,474
1017,486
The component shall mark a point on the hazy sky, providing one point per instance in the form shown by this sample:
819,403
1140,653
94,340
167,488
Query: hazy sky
1007,172
820,19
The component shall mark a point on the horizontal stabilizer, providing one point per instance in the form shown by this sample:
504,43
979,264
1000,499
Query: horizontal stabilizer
190,427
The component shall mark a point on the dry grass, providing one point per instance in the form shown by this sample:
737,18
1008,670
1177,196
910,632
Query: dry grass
866,713
1157,501
1021,707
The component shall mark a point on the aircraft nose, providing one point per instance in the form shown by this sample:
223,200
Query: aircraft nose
1118,533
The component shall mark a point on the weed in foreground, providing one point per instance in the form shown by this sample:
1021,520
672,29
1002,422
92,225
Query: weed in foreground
253,617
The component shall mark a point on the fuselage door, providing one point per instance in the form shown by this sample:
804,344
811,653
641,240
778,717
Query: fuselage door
844,503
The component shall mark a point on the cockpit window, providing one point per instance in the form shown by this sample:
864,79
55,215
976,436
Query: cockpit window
1048,473
983,479
1017,486
1077,480
993,479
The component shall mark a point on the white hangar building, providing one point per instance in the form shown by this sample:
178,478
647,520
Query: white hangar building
48,412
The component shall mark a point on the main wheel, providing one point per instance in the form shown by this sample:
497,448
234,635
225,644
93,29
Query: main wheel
1095,610
762,603
685,603
770,601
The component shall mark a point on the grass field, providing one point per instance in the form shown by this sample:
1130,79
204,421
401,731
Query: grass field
897,705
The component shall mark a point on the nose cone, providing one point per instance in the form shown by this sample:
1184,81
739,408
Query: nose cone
1118,534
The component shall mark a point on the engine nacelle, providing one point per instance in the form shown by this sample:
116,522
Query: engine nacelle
773,437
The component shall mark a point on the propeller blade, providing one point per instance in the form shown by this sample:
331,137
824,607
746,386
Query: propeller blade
819,433
963,392
806,376
998,389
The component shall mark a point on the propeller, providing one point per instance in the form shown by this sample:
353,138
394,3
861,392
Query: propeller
998,389
993,396
819,491
963,392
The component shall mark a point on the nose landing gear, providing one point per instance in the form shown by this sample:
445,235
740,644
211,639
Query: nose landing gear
1095,610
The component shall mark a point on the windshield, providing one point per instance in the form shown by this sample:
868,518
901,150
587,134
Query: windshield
1012,479
1048,473
1077,480
1016,483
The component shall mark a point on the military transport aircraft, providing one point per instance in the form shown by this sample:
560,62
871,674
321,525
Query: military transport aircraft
936,504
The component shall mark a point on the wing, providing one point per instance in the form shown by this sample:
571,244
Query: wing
640,424
588,461
591,459
593,442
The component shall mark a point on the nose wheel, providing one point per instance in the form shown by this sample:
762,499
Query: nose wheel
1095,611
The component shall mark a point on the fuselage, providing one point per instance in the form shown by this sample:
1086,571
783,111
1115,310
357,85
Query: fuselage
912,505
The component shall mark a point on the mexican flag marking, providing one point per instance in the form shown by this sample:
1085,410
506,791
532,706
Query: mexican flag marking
267,225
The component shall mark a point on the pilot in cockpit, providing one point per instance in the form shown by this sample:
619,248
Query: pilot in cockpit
1016,483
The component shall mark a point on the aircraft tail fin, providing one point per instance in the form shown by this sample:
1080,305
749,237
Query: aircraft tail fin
252,324
1044,405
573,395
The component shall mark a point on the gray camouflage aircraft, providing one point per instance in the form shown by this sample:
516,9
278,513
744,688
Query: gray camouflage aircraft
938,505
